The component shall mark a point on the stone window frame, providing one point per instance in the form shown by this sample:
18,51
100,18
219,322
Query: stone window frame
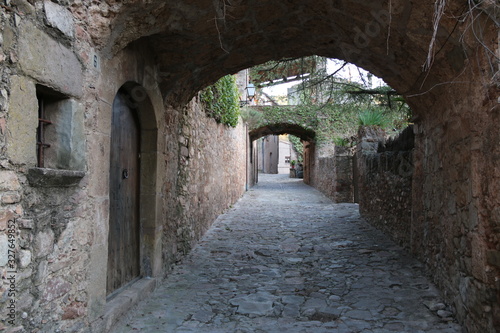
64,162
46,127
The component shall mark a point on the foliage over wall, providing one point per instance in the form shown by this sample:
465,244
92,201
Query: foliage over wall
291,69
373,118
331,105
221,101
252,117
298,146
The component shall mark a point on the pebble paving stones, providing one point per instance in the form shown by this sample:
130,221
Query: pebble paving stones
287,259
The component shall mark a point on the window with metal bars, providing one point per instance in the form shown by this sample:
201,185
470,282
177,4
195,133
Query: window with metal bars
42,123
60,141
55,137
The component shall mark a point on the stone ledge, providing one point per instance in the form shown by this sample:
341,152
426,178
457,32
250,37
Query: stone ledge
42,177
124,301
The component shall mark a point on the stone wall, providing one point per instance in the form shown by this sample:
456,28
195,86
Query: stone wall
210,177
455,215
332,173
54,222
446,210
384,181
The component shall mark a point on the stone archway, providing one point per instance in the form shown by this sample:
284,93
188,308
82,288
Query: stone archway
282,128
307,136
390,39
447,75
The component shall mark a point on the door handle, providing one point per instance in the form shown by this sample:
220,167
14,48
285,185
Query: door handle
125,173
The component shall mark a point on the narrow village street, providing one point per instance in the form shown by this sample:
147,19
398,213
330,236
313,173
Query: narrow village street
286,259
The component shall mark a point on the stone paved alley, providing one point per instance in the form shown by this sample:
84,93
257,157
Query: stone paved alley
286,259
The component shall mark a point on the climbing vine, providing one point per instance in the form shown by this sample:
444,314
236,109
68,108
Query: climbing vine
221,101
297,146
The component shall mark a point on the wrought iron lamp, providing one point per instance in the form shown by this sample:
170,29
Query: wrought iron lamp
250,92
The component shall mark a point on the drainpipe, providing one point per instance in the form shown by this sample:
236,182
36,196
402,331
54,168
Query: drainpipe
246,157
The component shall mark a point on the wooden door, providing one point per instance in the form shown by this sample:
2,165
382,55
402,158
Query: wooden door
123,240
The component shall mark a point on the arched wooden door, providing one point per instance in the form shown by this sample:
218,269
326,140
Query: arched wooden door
124,237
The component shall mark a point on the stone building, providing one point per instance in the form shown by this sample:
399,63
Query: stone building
274,154
268,154
286,155
112,87
92,158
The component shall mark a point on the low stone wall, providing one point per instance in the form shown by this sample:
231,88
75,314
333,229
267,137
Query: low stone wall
332,173
385,171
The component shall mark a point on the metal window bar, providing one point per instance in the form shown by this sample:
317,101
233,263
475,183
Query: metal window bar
42,122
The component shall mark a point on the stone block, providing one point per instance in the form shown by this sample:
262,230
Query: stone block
26,300
493,258
41,177
184,151
42,273
44,243
259,304
59,18
97,274
4,250
78,159
24,7
99,146
48,61
25,223
478,247
73,311
11,198
22,122
9,181
25,239
55,288
24,258
103,117
9,37
115,309
81,233
5,216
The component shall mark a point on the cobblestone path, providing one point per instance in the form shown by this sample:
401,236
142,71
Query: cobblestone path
286,259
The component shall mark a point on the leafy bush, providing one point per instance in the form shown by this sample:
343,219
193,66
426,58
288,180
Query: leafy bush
221,101
372,118
341,142
252,117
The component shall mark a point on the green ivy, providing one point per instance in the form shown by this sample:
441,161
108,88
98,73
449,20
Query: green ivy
252,117
297,146
221,101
